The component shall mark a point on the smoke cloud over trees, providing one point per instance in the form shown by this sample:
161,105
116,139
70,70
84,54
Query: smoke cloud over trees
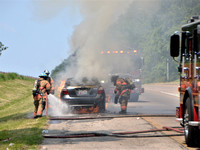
126,24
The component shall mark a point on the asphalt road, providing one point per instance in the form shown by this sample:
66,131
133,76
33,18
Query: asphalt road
158,99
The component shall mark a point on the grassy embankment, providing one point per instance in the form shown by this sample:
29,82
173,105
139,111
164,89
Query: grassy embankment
17,130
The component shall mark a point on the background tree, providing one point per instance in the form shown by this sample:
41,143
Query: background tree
2,48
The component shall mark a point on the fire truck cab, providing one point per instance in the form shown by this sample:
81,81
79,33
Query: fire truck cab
187,44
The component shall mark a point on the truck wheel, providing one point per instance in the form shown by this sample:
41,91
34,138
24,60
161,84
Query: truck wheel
134,97
190,131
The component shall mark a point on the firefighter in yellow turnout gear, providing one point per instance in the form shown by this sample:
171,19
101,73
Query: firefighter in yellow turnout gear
40,90
122,91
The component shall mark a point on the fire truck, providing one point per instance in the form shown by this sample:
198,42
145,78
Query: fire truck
136,76
186,43
133,71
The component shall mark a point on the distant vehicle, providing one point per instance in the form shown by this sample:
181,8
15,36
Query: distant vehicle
84,93
136,77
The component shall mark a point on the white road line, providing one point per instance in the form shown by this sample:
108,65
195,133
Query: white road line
170,94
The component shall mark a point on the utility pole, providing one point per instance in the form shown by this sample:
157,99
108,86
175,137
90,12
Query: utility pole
167,69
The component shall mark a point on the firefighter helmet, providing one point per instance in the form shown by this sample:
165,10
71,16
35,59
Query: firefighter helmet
47,72
43,74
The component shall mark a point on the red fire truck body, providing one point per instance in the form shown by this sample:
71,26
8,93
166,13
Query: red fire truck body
188,113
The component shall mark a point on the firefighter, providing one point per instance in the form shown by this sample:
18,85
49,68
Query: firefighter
50,80
40,90
122,91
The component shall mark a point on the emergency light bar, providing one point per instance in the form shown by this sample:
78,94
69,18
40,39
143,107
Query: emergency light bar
119,52
115,52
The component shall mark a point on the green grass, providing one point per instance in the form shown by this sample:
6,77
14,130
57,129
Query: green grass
16,107
12,76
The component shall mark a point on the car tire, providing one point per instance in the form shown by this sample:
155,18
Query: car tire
190,131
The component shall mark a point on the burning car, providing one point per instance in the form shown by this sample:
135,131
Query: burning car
83,94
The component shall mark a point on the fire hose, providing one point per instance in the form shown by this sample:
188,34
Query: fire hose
122,134
107,117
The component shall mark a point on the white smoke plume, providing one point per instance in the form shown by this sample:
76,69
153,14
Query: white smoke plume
57,107
89,37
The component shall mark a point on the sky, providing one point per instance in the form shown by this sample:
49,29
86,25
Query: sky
36,33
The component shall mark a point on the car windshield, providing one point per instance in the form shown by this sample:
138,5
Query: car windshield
82,82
